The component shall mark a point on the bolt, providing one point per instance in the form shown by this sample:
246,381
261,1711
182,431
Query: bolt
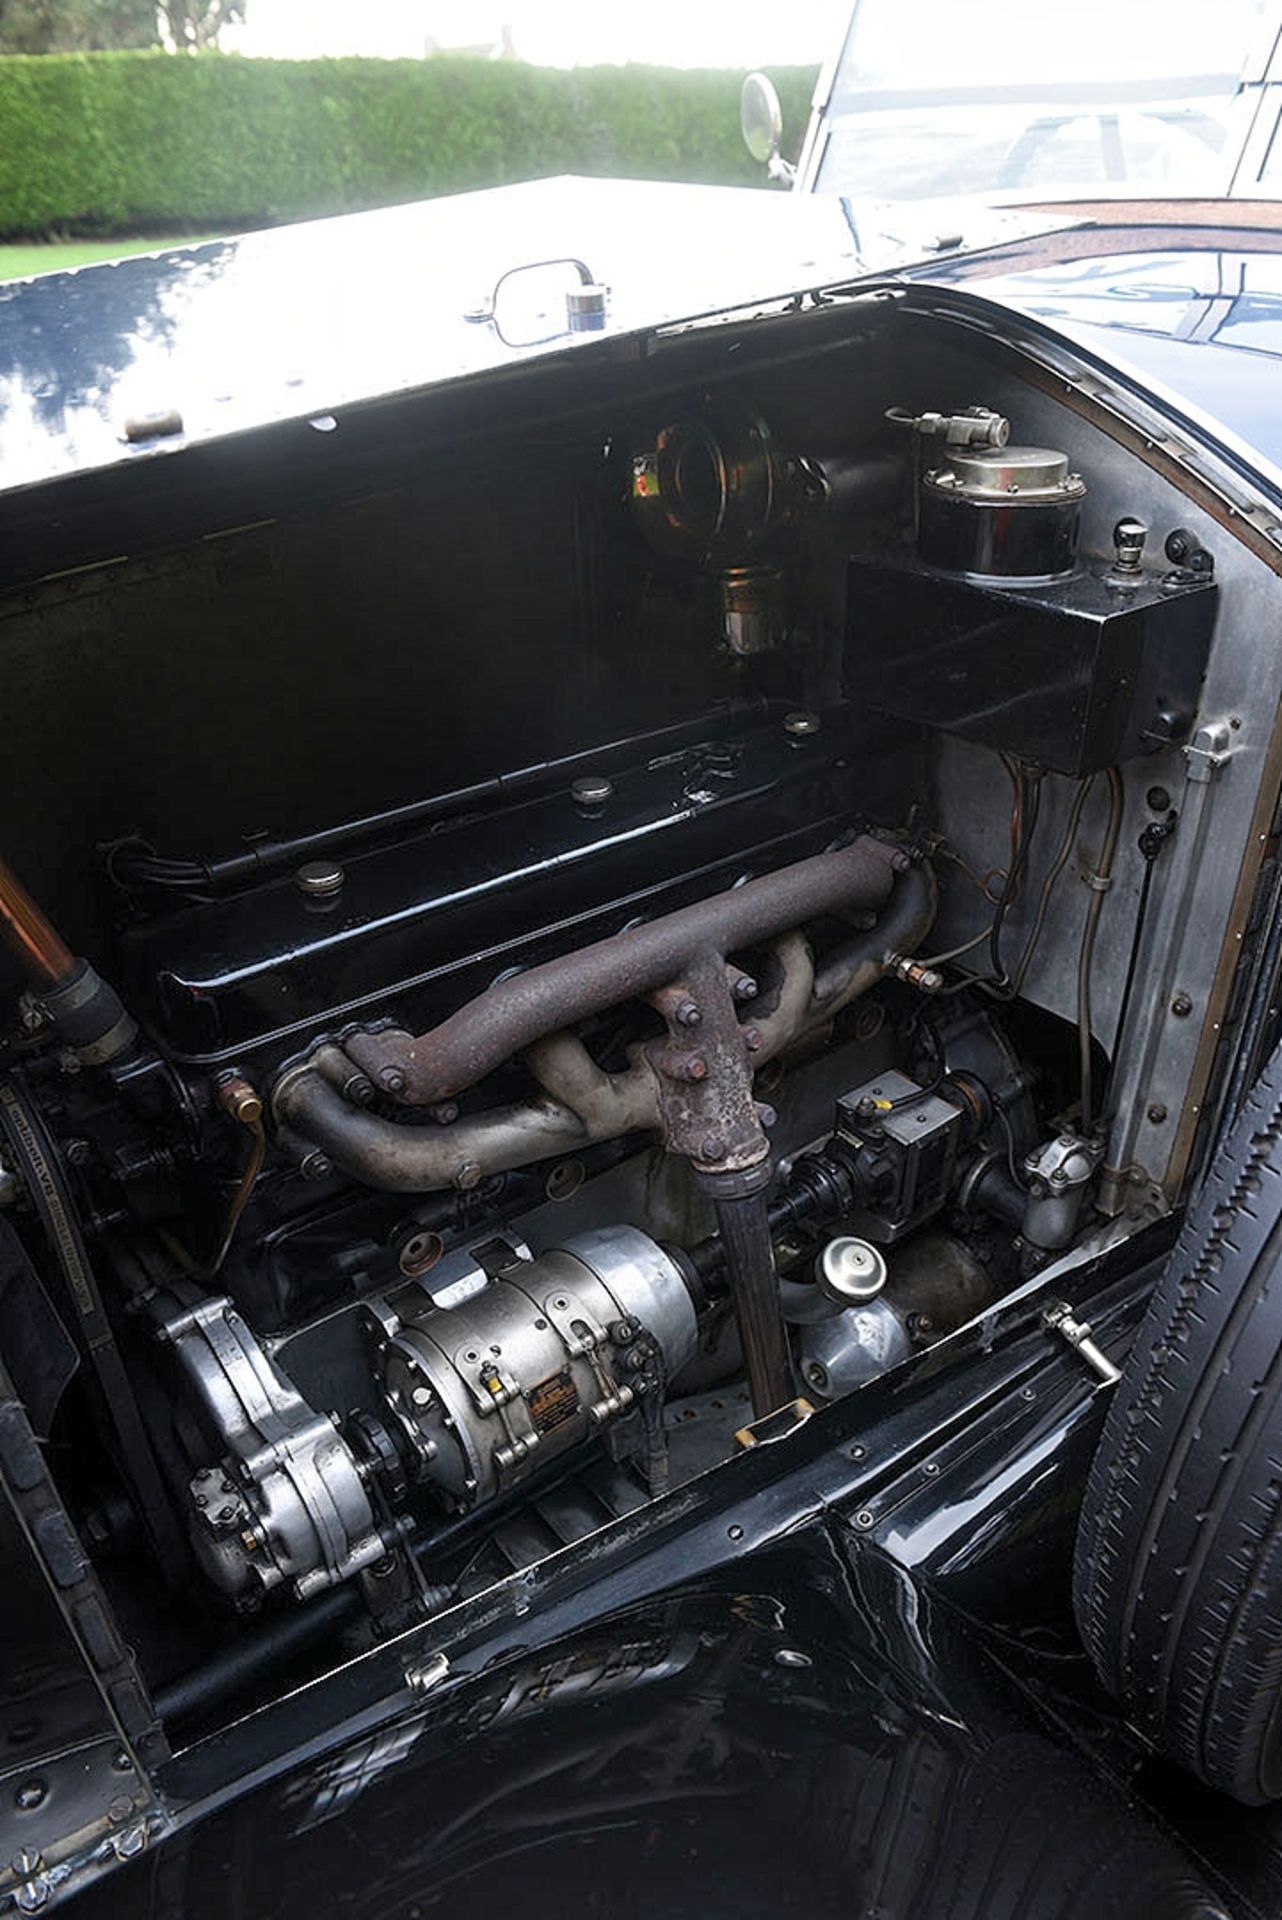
120,1761
422,1675
391,1080
745,988
30,1795
767,1115
422,1396
444,1113
687,1014
734,1533
315,1165
1027,1393
1156,1113
752,1039
120,1808
802,725
592,790
33,1015
692,1067
1181,1006
319,879
865,1519
127,1846
467,1176
712,1148
857,1453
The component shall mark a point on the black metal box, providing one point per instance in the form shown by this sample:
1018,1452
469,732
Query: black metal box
1074,676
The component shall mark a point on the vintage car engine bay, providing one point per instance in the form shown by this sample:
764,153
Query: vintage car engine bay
555,935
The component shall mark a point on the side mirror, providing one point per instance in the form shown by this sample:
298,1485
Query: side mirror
761,118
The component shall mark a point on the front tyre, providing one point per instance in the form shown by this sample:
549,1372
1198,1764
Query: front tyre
1178,1570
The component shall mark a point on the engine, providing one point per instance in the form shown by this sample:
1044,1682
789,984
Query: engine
409,1193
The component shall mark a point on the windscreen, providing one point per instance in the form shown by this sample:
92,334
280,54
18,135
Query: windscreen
1017,97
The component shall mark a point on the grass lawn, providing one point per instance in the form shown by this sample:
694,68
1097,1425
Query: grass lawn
16,263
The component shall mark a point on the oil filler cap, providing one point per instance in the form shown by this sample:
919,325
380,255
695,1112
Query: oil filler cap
850,1271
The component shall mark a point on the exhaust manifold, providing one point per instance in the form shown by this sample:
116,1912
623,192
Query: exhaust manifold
692,1085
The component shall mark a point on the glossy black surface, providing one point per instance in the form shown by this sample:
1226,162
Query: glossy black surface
294,324
1200,324
1075,675
423,924
815,1734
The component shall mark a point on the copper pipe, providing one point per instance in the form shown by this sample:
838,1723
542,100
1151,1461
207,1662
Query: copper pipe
34,941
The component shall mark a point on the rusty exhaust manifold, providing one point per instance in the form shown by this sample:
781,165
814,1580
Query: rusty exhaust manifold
693,1085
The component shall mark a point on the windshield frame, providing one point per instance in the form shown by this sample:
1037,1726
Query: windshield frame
1255,135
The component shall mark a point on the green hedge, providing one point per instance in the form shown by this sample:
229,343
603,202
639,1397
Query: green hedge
149,142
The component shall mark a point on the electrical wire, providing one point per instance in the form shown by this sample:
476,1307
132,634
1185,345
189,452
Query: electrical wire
1023,827
955,953
984,881
1013,987
1100,881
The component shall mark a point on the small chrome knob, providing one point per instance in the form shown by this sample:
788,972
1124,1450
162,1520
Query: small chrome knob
1128,545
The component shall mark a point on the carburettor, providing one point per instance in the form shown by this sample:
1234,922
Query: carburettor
497,1362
